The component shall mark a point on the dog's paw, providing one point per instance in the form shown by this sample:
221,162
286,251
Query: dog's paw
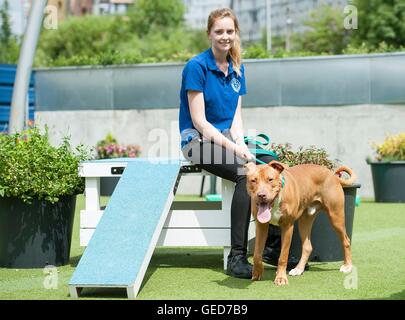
257,272
296,272
281,281
346,268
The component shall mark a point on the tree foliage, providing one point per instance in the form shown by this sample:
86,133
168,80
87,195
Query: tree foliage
326,33
380,21
381,28
152,31
9,47
146,15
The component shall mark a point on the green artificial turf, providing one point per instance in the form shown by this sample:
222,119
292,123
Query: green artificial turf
378,245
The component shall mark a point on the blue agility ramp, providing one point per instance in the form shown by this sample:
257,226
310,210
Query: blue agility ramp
122,245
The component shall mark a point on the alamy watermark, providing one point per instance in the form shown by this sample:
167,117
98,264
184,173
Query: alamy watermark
51,277
50,17
351,20
351,280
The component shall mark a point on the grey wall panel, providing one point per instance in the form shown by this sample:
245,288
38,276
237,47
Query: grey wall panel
73,88
388,79
147,87
263,84
325,82
313,81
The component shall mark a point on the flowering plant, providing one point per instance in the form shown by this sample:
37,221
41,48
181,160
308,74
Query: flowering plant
312,155
110,148
392,148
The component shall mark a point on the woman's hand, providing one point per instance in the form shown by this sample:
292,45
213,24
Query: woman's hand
242,151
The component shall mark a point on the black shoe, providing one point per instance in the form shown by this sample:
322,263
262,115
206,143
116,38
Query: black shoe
239,267
270,256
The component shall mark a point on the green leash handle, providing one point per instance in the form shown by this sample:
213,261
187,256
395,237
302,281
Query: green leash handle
256,142
263,152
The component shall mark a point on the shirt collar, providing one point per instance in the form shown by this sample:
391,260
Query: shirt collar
212,64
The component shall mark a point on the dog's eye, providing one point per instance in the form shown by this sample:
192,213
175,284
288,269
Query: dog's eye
253,180
270,179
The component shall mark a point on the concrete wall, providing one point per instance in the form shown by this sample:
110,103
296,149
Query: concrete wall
344,131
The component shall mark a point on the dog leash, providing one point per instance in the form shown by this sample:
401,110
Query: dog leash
255,141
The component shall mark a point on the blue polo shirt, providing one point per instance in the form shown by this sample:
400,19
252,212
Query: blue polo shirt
221,93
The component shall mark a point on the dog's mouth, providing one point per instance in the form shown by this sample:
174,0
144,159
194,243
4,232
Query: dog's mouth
264,212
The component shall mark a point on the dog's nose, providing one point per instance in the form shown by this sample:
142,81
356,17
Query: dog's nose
262,195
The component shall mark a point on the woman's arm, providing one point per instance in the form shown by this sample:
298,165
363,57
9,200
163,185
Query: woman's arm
237,125
237,131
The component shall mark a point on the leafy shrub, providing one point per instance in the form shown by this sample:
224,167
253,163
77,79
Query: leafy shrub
392,149
154,31
311,155
110,148
146,14
256,51
9,44
30,167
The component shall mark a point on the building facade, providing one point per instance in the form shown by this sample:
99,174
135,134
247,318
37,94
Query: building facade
104,7
286,15
80,7
197,11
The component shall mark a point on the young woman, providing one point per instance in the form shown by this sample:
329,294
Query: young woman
211,128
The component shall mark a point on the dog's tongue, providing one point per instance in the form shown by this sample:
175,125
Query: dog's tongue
264,213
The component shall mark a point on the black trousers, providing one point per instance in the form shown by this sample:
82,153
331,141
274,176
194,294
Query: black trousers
223,163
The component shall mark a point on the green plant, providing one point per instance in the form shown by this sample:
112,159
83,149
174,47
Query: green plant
392,149
145,14
380,21
30,167
109,147
256,51
302,156
326,32
9,46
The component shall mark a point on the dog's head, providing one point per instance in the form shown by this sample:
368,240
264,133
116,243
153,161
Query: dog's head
263,185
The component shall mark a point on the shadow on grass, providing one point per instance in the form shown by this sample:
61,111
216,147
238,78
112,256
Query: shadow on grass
322,267
162,258
103,293
183,258
396,296
194,258
74,261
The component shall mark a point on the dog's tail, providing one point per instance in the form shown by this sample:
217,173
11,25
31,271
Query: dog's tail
345,182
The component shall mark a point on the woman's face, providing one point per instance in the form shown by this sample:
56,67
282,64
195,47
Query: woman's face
222,34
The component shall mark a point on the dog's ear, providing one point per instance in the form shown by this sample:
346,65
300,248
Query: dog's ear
278,165
249,167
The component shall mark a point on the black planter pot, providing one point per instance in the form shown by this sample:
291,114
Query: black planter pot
326,245
35,235
388,181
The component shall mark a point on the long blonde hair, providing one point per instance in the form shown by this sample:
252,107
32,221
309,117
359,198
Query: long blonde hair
236,51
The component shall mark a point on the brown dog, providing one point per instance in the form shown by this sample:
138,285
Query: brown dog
281,195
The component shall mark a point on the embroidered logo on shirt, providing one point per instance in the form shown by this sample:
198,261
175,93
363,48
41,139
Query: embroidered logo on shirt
235,84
